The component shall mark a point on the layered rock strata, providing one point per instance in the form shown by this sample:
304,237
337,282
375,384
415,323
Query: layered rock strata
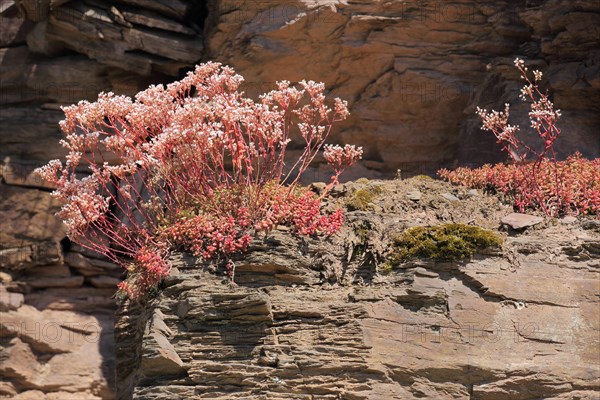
309,319
56,305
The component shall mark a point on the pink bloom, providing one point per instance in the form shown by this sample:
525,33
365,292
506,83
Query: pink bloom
170,171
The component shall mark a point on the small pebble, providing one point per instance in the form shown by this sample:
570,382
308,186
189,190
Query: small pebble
450,197
415,195
338,190
520,221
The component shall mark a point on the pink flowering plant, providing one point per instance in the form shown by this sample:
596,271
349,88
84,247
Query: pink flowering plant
578,177
535,179
195,166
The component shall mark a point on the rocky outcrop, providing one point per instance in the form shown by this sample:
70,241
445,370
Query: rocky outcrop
56,330
325,319
413,72
56,325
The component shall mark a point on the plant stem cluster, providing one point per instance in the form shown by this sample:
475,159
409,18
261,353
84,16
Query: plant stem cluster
192,165
536,179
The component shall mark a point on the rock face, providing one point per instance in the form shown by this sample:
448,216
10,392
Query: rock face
516,324
56,324
56,328
413,72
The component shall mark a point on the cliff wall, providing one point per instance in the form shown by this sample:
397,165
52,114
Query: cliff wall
412,72
325,319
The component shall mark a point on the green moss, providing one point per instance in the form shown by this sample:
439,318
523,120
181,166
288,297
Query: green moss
362,181
445,242
361,198
362,232
385,268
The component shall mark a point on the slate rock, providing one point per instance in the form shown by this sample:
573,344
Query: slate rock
520,221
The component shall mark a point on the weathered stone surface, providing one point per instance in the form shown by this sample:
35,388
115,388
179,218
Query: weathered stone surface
44,331
49,271
83,299
520,221
40,395
569,219
104,281
28,135
14,26
472,330
9,300
99,32
26,217
30,254
39,42
22,174
593,225
56,352
154,20
82,264
66,282
51,348
414,73
160,358
415,195
450,197
23,365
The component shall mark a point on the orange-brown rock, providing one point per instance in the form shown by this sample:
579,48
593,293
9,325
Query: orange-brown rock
412,73
56,327
327,319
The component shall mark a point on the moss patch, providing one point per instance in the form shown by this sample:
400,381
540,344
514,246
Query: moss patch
361,198
445,242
